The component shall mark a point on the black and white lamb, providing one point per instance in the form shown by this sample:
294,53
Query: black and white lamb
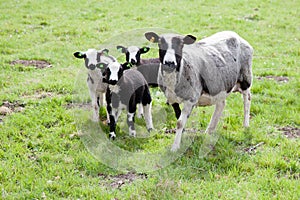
97,88
148,67
126,89
204,73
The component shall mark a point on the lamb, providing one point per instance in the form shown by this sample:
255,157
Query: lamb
126,90
97,88
204,73
148,67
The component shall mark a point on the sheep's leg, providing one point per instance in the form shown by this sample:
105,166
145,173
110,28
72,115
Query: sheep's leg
247,104
140,110
216,117
148,116
187,109
176,109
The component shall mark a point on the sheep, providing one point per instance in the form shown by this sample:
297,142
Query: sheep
126,89
204,73
148,67
97,88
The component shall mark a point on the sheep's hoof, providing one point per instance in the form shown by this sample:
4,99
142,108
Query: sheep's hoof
175,147
150,129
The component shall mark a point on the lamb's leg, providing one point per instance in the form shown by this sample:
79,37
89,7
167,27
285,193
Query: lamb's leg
176,109
187,109
140,110
95,106
130,122
148,116
247,103
102,102
130,117
112,127
216,117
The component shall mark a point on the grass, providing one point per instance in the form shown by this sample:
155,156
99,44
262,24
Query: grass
42,155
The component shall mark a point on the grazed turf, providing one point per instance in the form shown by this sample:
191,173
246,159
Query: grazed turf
42,155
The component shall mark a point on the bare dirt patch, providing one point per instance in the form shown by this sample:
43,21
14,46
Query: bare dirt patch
117,181
78,105
9,107
40,95
280,79
290,132
39,64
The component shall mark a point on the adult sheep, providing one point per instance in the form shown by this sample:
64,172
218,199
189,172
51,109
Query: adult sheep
204,73
97,88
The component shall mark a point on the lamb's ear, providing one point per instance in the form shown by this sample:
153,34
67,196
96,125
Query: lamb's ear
105,51
121,49
189,39
152,37
144,49
79,55
126,65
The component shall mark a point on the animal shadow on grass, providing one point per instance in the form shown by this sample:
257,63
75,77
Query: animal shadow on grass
223,157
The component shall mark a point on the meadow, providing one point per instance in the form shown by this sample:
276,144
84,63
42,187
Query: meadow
45,152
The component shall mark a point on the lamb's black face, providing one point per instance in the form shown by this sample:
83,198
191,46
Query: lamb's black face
170,48
93,57
113,71
133,53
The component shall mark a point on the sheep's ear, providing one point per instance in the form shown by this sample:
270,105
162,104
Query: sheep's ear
102,65
144,50
126,65
121,49
105,51
189,39
79,55
152,37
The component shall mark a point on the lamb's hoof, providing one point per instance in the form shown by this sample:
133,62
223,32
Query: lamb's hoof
132,133
112,136
150,129
140,115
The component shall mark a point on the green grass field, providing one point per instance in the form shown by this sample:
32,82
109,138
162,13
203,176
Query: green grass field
42,155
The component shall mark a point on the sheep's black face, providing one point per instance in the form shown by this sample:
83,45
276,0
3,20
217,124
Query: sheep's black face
170,48
93,57
133,53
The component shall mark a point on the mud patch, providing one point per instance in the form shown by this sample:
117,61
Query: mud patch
117,181
188,130
9,107
290,132
38,64
78,105
280,79
40,95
